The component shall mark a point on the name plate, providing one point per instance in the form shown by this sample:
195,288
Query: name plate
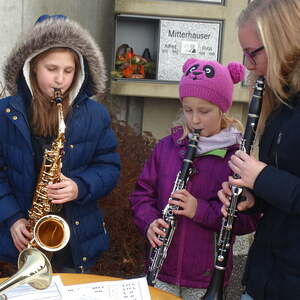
180,40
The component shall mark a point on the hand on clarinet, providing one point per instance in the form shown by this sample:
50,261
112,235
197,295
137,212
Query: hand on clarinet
247,167
186,201
225,193
154,230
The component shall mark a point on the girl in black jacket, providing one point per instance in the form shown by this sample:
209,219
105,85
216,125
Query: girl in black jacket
270,37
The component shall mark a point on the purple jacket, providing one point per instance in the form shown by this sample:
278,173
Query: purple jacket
190,259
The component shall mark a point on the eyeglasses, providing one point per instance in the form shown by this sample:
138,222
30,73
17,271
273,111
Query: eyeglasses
251,55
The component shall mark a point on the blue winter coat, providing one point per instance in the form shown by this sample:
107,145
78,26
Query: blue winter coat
273,265
90,157
90,160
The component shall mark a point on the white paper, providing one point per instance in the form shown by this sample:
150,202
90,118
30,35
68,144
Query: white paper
131,289
26,292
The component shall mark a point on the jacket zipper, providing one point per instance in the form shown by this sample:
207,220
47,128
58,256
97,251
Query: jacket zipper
276,151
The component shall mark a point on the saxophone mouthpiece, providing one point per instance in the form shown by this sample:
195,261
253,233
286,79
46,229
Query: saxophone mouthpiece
58,96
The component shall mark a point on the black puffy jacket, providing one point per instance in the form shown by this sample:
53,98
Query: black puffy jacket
273,266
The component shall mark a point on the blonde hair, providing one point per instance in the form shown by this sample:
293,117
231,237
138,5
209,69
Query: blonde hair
248,14
276,21
43,111
226,122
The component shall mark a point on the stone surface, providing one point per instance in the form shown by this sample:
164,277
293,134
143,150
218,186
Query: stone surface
235,288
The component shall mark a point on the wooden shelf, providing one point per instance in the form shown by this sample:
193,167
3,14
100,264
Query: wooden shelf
144,88
168,8
230,51
157,89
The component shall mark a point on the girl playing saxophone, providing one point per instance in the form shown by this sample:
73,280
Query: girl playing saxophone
56,54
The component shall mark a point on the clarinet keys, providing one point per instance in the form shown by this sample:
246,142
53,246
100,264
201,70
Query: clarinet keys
159,254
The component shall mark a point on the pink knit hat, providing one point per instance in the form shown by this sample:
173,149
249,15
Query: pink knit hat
210,81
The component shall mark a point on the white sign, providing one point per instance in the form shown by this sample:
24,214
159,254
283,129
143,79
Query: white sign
180,40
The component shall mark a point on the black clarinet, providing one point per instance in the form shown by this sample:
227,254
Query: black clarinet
215,288
159,253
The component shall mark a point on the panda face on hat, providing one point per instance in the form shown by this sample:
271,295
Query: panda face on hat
197,72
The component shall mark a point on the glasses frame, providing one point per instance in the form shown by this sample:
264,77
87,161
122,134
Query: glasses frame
251,55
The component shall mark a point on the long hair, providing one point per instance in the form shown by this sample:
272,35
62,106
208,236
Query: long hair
226,122
43,111
275,23
249,13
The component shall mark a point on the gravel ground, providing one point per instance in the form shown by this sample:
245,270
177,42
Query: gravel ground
235,288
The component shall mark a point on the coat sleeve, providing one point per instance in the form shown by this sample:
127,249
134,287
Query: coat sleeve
102,173
209,215
280,189
144,198
10,210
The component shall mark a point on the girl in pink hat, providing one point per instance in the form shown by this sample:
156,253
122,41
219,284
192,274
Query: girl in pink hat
205,90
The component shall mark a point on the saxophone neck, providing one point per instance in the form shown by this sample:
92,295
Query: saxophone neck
58,99
61,121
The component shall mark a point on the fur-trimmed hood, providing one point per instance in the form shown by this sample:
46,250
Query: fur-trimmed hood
54,32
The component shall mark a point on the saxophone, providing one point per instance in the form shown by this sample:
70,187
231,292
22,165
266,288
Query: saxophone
215,289
50,231
158,254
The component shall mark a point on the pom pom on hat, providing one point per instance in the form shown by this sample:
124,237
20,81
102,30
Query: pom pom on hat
210,81
237,71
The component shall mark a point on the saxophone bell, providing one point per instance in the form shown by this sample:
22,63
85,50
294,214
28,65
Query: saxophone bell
51,233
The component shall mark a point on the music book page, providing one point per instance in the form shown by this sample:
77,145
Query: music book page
130,289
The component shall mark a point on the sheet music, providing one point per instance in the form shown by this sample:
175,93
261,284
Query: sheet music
131,289
25,292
